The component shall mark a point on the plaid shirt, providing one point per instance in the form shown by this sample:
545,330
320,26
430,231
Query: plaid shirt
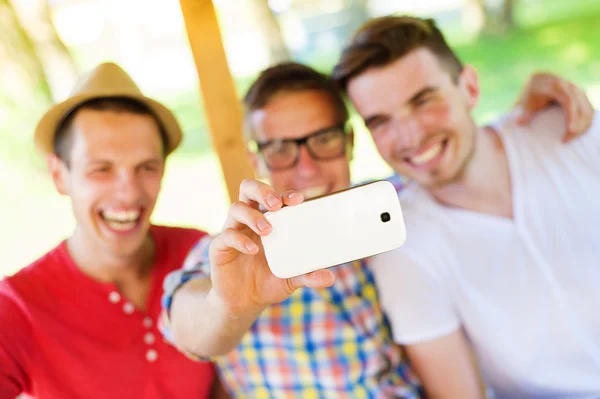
326,343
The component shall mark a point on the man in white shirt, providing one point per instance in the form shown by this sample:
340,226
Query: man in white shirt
501,250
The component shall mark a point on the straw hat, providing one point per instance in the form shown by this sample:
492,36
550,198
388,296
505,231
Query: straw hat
106,80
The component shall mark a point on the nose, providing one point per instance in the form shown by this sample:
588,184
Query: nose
306,166
409,133
127,188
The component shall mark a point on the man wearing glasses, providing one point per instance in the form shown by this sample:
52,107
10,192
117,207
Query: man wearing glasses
322,145
330,342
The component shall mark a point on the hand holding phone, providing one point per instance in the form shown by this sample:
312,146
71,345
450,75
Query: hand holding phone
351,224
241,280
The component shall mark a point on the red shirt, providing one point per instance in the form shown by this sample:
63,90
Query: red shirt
64,335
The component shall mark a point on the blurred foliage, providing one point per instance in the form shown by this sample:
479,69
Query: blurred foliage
551,35
567,48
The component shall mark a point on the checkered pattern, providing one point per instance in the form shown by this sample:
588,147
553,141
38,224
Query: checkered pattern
329,343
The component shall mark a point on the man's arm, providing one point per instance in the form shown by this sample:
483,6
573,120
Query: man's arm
446,367
202,325
544,89
193,320
209,316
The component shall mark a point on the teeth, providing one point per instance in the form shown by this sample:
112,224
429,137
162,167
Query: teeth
427,155
121,216
120,226
314,192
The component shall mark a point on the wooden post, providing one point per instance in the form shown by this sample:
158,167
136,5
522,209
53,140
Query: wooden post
222,107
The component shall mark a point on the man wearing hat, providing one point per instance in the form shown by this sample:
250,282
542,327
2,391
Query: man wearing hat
80,322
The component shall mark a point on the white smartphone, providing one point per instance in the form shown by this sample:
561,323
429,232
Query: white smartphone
337,228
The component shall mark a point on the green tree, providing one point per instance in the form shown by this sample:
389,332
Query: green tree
270,30
20,49
498,16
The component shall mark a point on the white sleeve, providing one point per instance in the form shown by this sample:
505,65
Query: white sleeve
588,144
586,147
548,128
414,299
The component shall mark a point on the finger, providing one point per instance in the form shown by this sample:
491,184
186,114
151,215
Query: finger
526,115
570,102
291,198
255,193
242,214
532,107
535,94
563,93
590,112
317,279
574,125
231,242
584,117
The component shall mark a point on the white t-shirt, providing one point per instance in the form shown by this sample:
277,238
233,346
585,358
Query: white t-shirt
525,290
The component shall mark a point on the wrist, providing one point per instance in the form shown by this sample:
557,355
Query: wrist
233,310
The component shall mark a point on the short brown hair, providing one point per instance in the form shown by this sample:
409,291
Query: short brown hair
291,77
383,40
64,134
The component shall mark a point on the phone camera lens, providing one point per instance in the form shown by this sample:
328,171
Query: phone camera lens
385,217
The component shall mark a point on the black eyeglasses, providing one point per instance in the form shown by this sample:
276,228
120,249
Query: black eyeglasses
322,145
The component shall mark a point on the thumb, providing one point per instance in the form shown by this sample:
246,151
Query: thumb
525,115
317,279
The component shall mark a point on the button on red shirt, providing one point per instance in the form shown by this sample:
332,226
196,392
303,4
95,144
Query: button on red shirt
64,335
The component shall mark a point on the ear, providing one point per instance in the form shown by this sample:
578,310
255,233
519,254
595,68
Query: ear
59,173
350,145
468,83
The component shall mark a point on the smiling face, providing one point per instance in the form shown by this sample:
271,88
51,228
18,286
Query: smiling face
418,116
297,114
113,178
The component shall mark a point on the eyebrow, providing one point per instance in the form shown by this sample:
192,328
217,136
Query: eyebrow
262,144
422,93
370,119
101,161
151,160
414,99
97,161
